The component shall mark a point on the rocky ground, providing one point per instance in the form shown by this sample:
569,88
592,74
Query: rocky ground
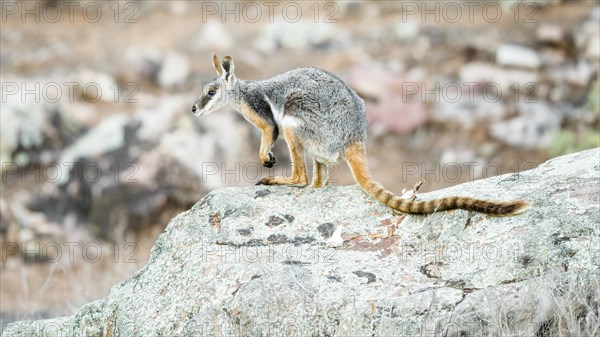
285,261
99,149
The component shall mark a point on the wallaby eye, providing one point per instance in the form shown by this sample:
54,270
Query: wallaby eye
211,92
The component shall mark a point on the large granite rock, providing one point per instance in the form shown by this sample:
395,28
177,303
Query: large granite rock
269,261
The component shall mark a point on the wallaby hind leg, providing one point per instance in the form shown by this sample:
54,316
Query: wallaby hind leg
299,177
320,175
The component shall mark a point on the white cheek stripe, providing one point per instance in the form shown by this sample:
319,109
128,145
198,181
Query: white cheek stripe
206,109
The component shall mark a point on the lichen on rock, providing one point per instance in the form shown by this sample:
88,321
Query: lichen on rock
266,268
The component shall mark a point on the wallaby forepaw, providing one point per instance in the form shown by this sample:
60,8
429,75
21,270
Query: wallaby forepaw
271,160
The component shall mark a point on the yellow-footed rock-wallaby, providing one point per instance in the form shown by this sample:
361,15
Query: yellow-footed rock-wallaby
320,116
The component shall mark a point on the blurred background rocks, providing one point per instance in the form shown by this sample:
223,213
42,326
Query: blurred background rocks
98,144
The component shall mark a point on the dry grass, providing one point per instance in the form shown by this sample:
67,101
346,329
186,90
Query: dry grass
576,307
560,305
45,290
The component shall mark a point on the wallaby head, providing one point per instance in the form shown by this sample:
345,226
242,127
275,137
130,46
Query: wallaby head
219,92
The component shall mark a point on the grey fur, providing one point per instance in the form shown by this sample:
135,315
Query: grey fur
327,115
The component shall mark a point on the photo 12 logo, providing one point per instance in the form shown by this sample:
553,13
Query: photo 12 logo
454,92
250,172
70,252
469,11
60,173
252,11
55,11
454,172
54,92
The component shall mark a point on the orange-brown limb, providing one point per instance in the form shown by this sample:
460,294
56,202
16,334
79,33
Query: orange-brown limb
319,178
267,134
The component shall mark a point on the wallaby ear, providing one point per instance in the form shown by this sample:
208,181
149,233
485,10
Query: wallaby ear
228,66
217,64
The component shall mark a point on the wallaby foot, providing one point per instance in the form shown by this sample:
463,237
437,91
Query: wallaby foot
286,181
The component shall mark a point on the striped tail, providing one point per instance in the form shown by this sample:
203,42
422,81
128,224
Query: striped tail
356,159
